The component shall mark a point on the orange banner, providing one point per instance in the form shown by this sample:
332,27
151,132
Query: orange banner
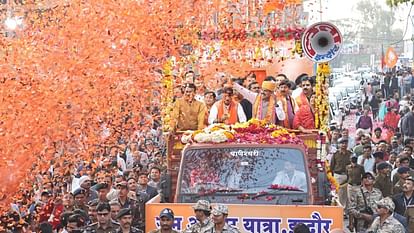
256,218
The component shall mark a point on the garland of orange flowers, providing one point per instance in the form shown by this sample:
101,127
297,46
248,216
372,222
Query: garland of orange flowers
321,89
167,94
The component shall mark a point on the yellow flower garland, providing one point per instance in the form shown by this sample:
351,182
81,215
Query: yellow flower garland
167,94
321,108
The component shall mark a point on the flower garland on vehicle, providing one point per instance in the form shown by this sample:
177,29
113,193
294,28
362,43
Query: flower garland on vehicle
277,34
253,131
321,89
167,95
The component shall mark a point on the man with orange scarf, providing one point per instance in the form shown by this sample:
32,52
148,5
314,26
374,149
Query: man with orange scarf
265,106
288,104
226,110
305,117
305,95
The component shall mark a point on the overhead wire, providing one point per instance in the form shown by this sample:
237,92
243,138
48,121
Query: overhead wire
406,27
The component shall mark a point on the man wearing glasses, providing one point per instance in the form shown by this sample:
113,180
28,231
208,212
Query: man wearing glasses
104,224
363,204
386,222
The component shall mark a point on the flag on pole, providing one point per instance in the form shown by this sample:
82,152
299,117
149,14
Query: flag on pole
382,57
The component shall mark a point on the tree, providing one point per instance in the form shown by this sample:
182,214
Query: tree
394,3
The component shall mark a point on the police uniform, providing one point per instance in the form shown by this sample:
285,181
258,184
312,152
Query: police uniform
123,212
390,225
398,187
339,161
168,213
357,205
206,225
96,228
134,206
383,181
159,231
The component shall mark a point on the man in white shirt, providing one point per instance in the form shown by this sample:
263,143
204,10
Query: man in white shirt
226,110
290,176
366,159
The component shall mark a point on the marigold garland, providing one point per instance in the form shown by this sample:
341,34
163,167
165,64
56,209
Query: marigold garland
321,89
167,95
253,131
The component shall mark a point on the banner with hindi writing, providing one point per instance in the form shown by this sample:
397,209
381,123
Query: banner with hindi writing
256,218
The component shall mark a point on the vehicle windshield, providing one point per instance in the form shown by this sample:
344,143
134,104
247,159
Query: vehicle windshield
247,170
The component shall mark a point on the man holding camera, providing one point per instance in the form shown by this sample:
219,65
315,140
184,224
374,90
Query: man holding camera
363,203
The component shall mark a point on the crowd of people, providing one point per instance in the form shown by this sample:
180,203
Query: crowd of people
108,192
377,160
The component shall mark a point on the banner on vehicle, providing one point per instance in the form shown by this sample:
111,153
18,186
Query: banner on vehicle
256,218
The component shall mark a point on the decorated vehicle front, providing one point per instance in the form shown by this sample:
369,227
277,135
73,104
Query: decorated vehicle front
244,174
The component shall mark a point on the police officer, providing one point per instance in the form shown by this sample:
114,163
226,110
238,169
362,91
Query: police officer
383,179
202,210
220,213
124,218
363,213
354,173
92,210
104,224
339,161
385,222
166,222
79,195
128,202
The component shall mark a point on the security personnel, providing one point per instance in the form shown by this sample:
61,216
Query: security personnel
79,196
403,174
385,222
166,222
124,218
104,224
340,159
220,213
354,173
362,213
383,179
130,203
202,210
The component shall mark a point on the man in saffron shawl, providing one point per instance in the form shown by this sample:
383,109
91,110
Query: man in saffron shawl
305,117
289,105
226,110
305,95
264,103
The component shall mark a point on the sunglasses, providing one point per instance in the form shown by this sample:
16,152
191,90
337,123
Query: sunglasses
102,214
381,206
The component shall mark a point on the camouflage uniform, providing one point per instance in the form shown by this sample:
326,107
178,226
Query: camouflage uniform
219,210
199,227
390,224
226,229
357,204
